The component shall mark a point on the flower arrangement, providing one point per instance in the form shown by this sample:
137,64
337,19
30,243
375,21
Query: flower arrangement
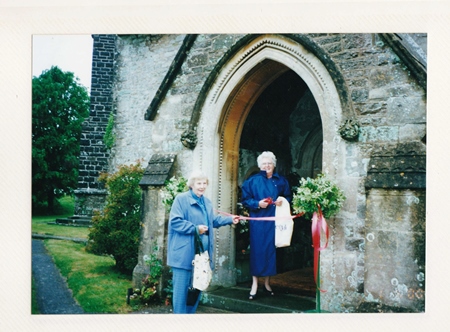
172,188
318,199
313,194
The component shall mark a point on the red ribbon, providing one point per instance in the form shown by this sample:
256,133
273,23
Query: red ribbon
318,223
261,218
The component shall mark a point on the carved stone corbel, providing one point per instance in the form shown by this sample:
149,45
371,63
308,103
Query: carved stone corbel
349,130
189,139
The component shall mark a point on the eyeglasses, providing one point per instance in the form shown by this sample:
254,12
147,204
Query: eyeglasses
266,164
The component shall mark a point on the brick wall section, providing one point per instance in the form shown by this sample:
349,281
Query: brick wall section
93,154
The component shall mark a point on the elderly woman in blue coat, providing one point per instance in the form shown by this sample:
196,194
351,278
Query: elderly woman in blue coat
260,195
191,211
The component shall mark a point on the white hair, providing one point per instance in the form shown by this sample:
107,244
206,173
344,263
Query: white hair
197,175
266,154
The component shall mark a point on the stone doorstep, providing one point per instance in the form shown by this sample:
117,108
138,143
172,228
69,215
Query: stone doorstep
235,299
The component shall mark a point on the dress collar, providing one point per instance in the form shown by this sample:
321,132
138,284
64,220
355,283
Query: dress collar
264,174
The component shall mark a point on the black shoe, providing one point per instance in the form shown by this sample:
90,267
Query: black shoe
269,292
252,296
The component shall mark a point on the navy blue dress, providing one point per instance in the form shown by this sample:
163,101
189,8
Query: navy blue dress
262,233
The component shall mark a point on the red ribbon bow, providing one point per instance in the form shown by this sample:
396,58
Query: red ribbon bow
318,223
268,200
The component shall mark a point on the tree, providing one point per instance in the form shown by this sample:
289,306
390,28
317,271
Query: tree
59,106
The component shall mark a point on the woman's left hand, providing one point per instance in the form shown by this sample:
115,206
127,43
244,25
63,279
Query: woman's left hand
278,202
236,219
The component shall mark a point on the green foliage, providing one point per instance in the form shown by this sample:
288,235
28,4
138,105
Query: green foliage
243,226
155,265
34,304
172,188
40,224
109,138
59,107
148,292
242,230
64,207
317,192
115,231
169,288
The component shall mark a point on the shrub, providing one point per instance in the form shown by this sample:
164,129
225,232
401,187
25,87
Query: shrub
115,231
172,188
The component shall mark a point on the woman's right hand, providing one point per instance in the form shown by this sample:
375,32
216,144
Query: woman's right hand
263,203
202,229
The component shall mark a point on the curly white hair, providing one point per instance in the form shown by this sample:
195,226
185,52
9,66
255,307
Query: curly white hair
197,175
266,154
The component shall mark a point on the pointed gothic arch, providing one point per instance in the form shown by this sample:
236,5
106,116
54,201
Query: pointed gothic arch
225,109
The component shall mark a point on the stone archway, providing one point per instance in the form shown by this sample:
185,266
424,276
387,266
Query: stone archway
229,100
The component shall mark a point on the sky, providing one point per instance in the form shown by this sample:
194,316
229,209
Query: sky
69,52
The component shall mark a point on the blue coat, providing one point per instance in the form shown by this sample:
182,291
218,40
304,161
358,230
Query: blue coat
262,233
185,215
258,187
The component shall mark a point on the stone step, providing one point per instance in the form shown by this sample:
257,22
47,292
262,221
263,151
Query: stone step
73,221
235,299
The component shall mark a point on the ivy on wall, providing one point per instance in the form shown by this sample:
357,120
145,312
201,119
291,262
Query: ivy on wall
109,138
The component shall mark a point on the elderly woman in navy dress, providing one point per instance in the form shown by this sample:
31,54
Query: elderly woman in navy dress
191,211
260,195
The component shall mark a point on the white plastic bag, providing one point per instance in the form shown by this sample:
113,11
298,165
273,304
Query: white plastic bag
284,226
202,273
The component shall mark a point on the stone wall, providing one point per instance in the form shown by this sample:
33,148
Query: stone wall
376,89
390,107
386,101
395,248
142,64
94,156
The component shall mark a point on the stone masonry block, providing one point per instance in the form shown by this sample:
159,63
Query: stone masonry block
412,132
379,134
401,110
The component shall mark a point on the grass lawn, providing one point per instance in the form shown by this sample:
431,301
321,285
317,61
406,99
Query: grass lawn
39,224
34,305
96,286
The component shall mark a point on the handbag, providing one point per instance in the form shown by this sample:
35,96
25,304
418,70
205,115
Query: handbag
202,273
192,296
284,226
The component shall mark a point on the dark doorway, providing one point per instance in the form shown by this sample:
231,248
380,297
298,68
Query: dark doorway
285,119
